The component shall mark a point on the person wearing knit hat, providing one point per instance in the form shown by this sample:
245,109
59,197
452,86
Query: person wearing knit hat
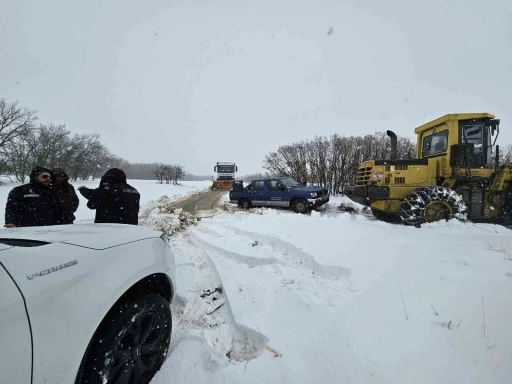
66,196
115,201
33,204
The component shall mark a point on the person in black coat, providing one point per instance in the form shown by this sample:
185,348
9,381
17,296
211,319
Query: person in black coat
115,201
66,196
33,204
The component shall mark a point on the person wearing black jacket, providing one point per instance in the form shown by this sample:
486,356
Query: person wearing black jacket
66,196
115,201
33,204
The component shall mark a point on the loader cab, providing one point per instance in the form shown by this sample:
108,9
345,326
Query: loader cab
478,136
459,140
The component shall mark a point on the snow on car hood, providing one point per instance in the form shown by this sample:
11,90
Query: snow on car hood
96,236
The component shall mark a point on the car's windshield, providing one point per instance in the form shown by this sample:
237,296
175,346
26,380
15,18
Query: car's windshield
290,182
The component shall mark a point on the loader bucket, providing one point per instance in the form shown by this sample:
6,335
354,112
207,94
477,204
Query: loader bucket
222,184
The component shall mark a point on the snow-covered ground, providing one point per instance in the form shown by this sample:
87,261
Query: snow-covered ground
277,297
148,189
270,296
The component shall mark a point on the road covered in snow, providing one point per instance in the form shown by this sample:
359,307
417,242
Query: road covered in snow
270,296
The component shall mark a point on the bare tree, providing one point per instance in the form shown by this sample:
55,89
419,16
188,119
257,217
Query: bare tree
255,176
14,121
332,162
169,173
177,173
23,145
51,145
159,173
19,155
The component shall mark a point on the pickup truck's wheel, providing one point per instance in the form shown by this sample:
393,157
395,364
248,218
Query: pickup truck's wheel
244,204
300,205
131,343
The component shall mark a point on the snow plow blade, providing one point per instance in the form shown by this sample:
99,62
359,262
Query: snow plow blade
222,184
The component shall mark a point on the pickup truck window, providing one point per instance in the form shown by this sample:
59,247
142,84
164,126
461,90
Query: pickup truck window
290,182
259,185
274,185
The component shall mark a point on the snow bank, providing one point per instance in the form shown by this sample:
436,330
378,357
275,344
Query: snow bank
160,214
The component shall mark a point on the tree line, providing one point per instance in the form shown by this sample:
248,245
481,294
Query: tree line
25,142
332,161
169,173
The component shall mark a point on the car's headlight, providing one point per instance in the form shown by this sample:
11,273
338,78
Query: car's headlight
313,194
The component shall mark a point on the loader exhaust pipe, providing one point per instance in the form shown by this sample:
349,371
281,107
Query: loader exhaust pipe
394,150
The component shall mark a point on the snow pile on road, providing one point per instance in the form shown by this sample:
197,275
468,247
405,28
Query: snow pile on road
161,215
340,298
226,206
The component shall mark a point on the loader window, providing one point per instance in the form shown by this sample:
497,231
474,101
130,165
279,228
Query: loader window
435,143
473,134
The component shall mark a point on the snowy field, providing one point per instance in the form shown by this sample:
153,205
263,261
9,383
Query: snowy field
277,297
148,189
270,296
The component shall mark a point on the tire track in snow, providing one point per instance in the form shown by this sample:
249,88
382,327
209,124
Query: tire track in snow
321,284
250,261
294,256
208,315
297,256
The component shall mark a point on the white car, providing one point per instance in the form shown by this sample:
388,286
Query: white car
84,303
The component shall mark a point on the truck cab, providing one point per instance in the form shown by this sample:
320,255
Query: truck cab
226,173
282,192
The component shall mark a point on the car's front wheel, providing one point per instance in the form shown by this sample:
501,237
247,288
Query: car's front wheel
244,204
300,205
131,344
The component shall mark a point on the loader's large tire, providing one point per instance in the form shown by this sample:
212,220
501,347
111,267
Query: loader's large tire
431,204
386,217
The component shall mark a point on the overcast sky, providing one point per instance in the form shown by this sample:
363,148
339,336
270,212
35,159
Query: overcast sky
196,82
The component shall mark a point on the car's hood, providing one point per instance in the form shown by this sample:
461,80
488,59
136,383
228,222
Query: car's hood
3,247
96,236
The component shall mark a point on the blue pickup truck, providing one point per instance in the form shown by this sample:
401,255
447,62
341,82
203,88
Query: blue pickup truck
278,192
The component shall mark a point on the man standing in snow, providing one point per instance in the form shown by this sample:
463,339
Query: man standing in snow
33,204
114,200
66,196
